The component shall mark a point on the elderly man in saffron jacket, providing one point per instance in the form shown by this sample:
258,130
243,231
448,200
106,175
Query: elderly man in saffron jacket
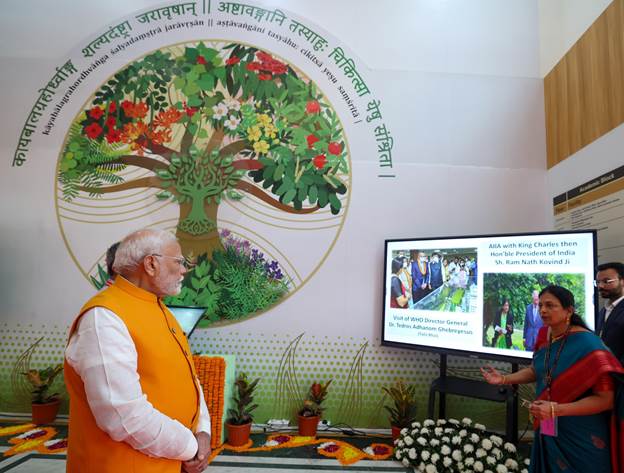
135,402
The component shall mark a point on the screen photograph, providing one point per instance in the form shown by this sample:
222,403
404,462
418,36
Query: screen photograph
440,279
511,317
478,295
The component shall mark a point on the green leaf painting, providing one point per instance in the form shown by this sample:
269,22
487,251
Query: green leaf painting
205,124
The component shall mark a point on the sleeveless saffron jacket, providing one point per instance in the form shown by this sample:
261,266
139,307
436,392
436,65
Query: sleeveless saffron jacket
167,376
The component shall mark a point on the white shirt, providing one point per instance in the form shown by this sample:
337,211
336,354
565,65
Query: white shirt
103,354
609,307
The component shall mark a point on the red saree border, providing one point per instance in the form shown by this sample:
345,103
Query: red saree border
581,376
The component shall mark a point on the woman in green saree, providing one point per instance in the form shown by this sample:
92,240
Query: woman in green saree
578,408
503,326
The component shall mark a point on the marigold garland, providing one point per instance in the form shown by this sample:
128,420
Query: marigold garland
211,373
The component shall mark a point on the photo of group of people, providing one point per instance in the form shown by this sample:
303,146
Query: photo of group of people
433,279
511,314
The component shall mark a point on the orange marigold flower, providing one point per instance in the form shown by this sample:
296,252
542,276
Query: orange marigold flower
161,136
132,131
134,110
167,117
138,147
140,110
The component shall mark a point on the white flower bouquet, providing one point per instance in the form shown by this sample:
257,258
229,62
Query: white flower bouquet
449,446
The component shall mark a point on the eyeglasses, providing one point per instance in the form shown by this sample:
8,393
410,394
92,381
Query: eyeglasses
604,282
179,259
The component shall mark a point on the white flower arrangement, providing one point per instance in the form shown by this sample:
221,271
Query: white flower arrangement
510,447
449,445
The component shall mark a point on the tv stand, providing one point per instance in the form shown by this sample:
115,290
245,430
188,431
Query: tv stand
476,389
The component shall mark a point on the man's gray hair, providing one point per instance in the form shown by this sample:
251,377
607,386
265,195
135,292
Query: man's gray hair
137,245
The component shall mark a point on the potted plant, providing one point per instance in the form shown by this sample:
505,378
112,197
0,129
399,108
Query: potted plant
238,424
310,414
44,406
403,410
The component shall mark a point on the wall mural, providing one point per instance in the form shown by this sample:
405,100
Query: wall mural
205,124
236,127
229,124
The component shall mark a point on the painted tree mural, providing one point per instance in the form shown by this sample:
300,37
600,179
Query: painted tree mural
207,124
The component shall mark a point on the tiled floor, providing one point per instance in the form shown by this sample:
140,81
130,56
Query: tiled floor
36,463
33,463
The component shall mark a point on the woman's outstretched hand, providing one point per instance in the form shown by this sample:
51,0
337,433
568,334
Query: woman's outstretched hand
492,375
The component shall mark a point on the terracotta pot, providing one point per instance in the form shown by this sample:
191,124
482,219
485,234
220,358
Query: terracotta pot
396,431
308,425
238,435
45,413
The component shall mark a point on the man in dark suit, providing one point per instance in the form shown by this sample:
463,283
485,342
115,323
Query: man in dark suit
610,326
421,277
532,323
435,270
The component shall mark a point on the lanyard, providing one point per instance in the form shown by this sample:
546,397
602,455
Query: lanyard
549,370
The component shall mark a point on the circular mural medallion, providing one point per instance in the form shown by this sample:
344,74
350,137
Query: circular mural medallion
229,146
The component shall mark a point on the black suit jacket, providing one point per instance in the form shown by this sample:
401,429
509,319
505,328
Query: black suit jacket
510,318
612,332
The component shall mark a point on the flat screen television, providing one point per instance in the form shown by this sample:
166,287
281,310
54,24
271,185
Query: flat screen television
187,317
473,295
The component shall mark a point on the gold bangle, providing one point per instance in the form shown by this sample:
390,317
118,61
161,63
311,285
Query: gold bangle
504,379
552,410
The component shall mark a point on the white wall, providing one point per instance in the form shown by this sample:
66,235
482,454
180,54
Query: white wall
561,24
461,92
